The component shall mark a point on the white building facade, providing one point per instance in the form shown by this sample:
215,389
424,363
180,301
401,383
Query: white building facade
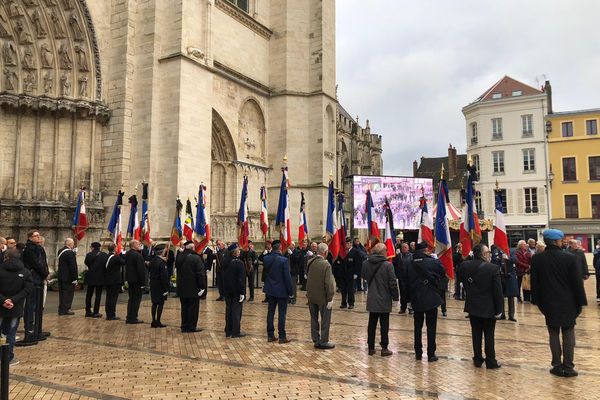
506,142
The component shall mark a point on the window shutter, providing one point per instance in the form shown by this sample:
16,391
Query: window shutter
509,202
541,200
490,203
520,201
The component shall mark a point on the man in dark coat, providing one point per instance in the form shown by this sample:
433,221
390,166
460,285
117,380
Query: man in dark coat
15,285
158,275
95,261
508,277
249,259
191,285
457,259
296,268
575,249
67,277
221,254
557,290
382,291
481,280
402,259
112,280
261,260
423,278
135,272
234,275
278,288
351,268
34,259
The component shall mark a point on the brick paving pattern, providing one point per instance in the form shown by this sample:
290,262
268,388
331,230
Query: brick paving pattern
97,359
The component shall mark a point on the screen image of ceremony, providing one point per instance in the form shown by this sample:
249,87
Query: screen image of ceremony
403,194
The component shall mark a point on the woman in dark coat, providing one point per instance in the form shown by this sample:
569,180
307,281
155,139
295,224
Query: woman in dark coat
159,285
508,274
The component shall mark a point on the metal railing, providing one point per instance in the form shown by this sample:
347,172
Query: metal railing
4,369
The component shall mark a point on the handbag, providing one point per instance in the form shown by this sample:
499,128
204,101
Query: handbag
526,283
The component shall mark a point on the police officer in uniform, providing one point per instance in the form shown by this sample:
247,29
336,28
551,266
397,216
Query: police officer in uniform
234,276
348,272
159,284
191,285
135,271
113,267
95,261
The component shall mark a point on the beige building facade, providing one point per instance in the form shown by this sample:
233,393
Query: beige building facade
106,94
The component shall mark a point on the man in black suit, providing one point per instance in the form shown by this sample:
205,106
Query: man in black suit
95,261
234,274
34,258
191,285
112,281
483,286
135,272
67,277
557,290
220,257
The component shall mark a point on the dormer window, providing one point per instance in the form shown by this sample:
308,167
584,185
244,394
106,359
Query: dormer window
496,96
517,93
241,4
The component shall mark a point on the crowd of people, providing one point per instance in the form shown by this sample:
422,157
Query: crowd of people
549,274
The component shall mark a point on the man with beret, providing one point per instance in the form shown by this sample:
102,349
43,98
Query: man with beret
234,276
158,275
557,290
278,288
191,285
95,261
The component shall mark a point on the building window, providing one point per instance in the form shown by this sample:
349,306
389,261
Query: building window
476,162
591,126
571,206
528,160
474,133
569,169
243,4
594,168
478,203
503,197
498,159
497,96
531,202
516,93
596,206
567,129
497,128
527,121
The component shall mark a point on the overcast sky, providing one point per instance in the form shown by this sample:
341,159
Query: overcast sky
410,66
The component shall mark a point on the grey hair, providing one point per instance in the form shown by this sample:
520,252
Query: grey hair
322,249
380,249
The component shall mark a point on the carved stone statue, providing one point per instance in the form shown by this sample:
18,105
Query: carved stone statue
48,82
8,54
65,58
10,79
81,59
28,60
36,18
50,3
65,85
59,32
30,82
68,4
23,33
4,26
30,3
46,56
13,8
83,81
77,32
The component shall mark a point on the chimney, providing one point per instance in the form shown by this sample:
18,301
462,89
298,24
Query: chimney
452,162
548,90
415,167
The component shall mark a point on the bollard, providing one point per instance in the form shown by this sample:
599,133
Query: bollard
4,370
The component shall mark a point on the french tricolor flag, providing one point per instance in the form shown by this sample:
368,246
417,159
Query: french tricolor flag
264,216
145,225
331,230
282,221
188,224
470,230
342,231
374,236
302,225
80,223
242,219
202,229
390,234
500,236
133,228
443,244
114,225
426,227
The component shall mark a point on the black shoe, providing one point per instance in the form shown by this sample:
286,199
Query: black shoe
372,352
351,306
444,314
402,312
410,312
477,362
284,340
418,357
97,316
272,339
227,334
112,318
502,317
241,334
558,371
66,313
265,301
569,373
89,315
251,299
194,330
386,353
220,298
154,324
343,306
493,365
432,358
513,319
520,300
325,346
135,321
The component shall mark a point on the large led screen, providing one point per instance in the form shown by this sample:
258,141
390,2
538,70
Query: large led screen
403,193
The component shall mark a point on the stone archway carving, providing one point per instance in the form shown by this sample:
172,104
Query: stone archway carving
223,147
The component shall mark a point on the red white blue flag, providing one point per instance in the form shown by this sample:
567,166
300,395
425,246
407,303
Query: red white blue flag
443,244
177,230
426,227
500,236
188,225
114,225
242,217
80,223
390,233
302,225
145,225
202,228
282,220
133,228
264,216
342,231
374,235
331,230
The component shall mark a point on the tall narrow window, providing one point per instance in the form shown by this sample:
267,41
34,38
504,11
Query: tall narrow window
569,169
498,161
476,162
591,126
474,133
243,4
571,206
567,129
594,163
527,121
497,128
478,202
596,206
531,202
528,160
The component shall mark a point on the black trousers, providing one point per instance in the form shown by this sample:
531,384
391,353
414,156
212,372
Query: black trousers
32,317
384,325
597,283
135,298
302,281
483,327
347,289
66,290
112,295
430,319
190,307
88,299
511,307
403,295
233,315
219,278
250,277
562,355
